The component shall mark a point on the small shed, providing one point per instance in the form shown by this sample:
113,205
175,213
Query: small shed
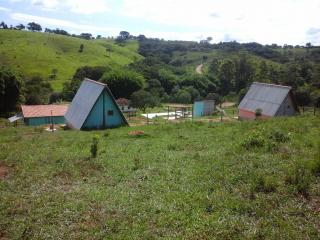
35,115
203,108
273,100
94,107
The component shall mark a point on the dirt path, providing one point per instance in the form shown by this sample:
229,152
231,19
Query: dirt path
199,69
228,104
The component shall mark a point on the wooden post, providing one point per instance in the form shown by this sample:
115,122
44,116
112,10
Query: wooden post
147,119
192,113
168,112
220,112
51,122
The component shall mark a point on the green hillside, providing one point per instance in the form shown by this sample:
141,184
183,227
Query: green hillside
33,53
242,180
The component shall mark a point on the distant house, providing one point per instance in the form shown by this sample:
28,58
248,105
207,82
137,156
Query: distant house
203,108
272,100
94,107
35,115
124,105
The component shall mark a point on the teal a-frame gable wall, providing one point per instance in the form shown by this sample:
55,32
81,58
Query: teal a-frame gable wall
104,114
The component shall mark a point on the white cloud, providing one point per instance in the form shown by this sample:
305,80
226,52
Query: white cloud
284,21
58,23
76,6
3,9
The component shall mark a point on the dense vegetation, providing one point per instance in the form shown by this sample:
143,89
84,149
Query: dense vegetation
242,180
164,70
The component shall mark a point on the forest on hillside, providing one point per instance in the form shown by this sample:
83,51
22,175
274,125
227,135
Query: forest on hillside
166,73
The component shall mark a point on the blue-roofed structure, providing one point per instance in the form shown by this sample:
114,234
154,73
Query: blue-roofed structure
94,107
273,100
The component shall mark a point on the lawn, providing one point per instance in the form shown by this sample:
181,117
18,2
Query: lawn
239,180
17,50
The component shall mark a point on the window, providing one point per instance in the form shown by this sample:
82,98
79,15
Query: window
122,108
110,112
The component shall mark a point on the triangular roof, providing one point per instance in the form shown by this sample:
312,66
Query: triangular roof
84,101
267,97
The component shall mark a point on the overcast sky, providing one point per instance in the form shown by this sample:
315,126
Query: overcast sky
264,21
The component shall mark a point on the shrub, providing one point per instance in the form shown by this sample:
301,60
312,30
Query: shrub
255,139
94,147
315,165
279,137
264,184
300,178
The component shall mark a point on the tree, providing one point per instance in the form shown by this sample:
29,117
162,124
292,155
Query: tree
20,27
315,96
11,90
242,93
155,88
124,35
34,27
226,77
244,73
194,93
37,91
183,96
214,96
71,87
123,82
143,99
3,25
55,97
303,96
86,36
209,39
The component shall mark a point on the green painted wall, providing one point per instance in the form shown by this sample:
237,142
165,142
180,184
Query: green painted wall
44,120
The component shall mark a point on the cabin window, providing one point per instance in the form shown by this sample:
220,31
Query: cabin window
122,108
110,112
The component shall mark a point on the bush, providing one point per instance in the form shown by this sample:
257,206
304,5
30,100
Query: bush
264,184
94,147
299,177
255,139
279,136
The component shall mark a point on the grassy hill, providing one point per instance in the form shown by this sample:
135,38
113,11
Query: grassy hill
39,53
243,180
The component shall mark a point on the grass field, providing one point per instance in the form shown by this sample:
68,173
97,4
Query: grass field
242,180
39,53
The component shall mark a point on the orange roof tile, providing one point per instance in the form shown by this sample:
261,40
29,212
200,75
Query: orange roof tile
30,111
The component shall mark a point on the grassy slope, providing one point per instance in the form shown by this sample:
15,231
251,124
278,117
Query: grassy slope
38,53
179,181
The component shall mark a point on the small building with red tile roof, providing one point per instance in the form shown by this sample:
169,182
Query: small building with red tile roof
35,115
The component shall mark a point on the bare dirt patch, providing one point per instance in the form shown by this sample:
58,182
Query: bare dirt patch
228,104
136,133
4,171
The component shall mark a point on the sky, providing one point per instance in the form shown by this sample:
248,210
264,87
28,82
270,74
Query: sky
264,21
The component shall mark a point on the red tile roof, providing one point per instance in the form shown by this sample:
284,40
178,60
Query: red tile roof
30,111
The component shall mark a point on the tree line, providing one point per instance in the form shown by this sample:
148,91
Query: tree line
163,75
